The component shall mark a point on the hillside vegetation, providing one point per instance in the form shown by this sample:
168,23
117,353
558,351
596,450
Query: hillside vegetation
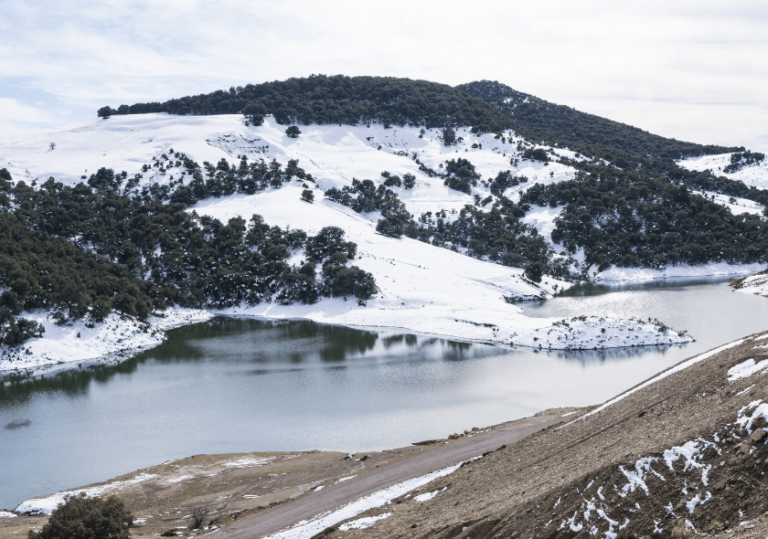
84,251
321,99
564,125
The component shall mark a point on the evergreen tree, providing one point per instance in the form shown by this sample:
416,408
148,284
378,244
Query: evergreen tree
449,136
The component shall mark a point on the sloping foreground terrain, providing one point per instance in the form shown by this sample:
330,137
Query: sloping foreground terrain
683,453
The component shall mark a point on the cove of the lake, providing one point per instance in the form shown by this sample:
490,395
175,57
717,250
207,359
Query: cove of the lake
233,385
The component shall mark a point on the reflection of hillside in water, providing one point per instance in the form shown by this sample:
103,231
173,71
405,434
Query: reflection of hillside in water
610,354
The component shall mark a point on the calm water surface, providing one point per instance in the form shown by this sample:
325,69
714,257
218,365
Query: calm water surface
244,385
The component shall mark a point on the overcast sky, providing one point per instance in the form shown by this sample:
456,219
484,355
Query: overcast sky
693,70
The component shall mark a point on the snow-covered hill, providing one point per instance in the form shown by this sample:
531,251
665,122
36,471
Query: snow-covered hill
334,155
752,175
423,288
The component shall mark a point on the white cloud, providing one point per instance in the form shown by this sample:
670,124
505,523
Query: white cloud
14,112
683,69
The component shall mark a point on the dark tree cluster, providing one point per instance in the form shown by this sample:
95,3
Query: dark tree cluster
321,99
81,517
536,154
539,119
739,160
630,220
41,271
84,251
460,175
14,332
504,180
498,235
222,179
364,197
408,181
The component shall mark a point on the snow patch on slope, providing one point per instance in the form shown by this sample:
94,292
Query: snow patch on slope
755,284
308,528
45,505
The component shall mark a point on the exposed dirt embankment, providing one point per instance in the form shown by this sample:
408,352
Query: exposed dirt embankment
683,455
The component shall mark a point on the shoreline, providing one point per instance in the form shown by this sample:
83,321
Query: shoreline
45,364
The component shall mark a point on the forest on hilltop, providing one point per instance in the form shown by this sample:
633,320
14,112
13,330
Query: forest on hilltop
564,125
322,99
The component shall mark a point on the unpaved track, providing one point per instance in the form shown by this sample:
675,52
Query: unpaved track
429,460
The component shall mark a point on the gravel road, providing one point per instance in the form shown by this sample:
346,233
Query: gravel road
433,458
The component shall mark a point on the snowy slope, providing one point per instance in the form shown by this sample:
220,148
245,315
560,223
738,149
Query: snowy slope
423,288
756,175
334,155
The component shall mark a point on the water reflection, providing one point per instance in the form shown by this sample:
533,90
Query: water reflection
234,385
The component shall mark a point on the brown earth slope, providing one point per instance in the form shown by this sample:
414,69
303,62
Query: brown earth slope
607,473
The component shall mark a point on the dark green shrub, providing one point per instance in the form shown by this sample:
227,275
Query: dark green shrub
87,518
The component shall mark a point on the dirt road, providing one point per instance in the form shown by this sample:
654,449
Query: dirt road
433,458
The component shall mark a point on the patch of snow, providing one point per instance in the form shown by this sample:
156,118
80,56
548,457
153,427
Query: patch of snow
693,502
745,369
308,528
755,284
636,477
45,505
346,478
248,462
596,333
7,514
179,478
542,218
362,523
759,410
428,495
692,453
735,204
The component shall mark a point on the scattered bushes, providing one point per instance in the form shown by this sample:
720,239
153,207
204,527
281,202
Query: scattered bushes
740,160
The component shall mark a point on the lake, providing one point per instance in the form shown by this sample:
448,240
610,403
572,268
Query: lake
231,385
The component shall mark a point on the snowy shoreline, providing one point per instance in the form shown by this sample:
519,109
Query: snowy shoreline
118,340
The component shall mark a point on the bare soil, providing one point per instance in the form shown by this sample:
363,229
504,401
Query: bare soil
532,488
